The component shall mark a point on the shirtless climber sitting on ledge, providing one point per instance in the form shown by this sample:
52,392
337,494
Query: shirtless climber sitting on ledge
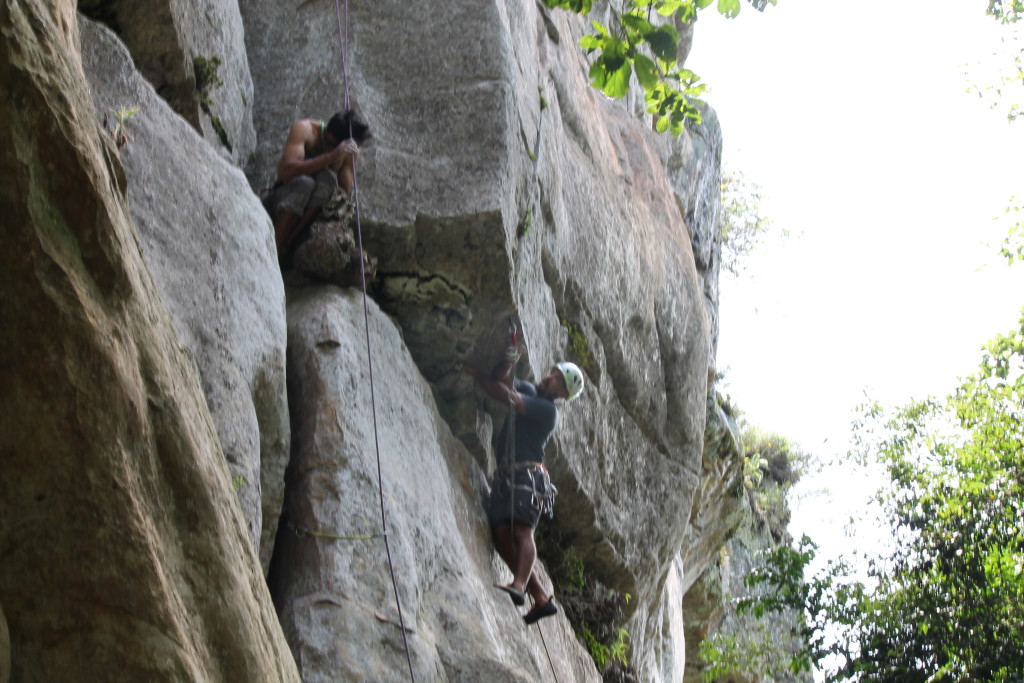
318,158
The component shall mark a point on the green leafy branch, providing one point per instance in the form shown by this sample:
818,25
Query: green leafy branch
638,45
1006,11
602,654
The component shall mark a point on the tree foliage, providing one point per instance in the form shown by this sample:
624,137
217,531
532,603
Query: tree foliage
1013,246
743,224
948,602
1009,12
745,643
951,600
1006,11
644,42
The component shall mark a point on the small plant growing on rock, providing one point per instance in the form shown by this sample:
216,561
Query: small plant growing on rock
595,611
120,132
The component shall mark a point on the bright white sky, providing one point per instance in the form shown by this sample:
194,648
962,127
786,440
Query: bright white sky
855,120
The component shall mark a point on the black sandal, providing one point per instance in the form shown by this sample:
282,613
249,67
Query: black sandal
538,612
518,597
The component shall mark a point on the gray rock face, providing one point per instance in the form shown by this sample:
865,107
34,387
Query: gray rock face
166,37
328,253
694,166
330,576
498,182
124,551
209,244
718,501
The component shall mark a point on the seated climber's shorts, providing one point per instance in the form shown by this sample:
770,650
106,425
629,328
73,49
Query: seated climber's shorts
302,192
528,499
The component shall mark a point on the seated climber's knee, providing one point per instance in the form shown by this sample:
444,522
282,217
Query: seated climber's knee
294,196
326,185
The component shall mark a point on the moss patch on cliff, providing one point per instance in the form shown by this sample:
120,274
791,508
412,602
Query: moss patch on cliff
205,70
579,348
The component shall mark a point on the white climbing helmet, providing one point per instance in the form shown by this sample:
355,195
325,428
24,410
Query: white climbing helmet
573,378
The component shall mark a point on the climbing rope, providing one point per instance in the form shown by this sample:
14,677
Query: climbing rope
544,642
343,39
510,435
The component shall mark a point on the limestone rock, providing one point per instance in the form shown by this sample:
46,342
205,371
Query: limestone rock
173,40
209,244
718,502
123,547
694,167
329,252
499,181
330,575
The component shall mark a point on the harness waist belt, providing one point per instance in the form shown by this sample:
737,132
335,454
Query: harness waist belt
522,465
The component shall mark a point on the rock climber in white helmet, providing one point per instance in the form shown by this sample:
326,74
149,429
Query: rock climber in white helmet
521,490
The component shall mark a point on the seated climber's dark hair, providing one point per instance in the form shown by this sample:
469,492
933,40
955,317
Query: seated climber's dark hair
348,120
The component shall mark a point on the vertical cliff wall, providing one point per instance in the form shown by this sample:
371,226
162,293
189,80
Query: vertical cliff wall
207,241
498,183
123,551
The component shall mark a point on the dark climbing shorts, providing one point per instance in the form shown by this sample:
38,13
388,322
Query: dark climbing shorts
302,192
528,504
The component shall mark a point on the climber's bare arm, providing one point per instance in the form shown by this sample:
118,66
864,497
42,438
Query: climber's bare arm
293,161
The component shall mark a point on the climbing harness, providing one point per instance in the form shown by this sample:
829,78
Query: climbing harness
532,477
343,40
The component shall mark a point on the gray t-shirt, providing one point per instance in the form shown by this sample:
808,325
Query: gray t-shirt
532,429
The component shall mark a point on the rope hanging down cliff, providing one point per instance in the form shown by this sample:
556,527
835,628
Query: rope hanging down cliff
343,42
